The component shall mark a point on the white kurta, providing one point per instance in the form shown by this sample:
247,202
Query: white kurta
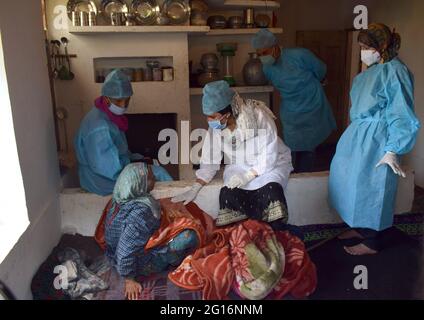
265,153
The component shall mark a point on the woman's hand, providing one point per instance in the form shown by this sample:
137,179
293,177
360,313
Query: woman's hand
132,289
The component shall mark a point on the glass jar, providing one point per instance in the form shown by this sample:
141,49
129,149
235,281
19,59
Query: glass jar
157,74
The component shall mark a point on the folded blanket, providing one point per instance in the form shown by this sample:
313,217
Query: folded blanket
250,259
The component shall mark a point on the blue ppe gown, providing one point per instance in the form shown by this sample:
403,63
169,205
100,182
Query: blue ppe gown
382,120
102,153
305,112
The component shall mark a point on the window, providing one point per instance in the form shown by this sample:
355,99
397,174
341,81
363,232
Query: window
13,210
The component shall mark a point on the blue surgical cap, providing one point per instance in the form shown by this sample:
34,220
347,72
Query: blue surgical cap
117,85
216,97
264,39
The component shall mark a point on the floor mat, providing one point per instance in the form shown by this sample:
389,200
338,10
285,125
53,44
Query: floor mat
335,268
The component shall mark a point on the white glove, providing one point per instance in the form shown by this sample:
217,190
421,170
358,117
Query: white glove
391,160
240,180
189,195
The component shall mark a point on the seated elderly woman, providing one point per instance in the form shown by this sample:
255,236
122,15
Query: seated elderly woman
132,219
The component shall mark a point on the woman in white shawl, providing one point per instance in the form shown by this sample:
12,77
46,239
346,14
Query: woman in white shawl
257,162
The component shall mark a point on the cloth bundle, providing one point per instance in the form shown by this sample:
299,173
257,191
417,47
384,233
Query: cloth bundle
82,281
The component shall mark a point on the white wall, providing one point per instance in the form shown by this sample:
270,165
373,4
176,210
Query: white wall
78,96
25,61
407,18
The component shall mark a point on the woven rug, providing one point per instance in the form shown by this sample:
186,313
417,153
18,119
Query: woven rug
411,223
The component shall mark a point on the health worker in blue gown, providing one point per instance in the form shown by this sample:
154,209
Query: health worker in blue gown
101,145
306,115
364,172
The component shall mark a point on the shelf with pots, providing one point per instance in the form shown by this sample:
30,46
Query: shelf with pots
237,4
138,29
139,69
239,89
191,30
240,31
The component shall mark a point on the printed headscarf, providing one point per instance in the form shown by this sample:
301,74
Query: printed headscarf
381,38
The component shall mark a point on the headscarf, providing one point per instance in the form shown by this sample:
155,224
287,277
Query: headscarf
132,186
121,121
246,119
381,38
217,96
264,39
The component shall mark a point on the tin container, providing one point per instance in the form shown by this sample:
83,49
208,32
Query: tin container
84,19
117,18
76,19
249,18
157,74
167,74
92,21
148,74
138,75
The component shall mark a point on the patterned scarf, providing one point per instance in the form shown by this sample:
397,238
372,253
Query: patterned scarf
381,38
247,123
132,186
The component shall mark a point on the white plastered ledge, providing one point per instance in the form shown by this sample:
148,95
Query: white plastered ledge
306,194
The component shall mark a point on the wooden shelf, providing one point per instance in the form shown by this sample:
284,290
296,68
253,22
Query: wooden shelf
240,4
242,89
244,31
192,30
138,29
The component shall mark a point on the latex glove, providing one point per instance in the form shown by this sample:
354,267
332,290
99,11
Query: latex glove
391,160
189,195
240,180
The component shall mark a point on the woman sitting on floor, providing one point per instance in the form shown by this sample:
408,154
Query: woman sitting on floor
132,219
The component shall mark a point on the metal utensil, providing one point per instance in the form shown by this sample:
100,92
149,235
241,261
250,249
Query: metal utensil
146,11
249,17
67,73
81,5
235,22
177,11
114,6
53,57
217,22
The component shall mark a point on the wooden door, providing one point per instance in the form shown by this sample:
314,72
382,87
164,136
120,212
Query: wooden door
331,47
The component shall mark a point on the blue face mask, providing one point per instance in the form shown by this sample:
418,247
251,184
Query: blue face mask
117,110
217,125
267,60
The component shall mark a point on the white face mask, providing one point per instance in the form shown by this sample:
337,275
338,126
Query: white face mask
370,57
117,110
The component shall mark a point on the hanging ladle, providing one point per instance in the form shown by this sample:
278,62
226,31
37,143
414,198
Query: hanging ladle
66,73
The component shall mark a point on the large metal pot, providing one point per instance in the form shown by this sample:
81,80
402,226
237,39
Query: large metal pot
207,76
252,71
209,61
